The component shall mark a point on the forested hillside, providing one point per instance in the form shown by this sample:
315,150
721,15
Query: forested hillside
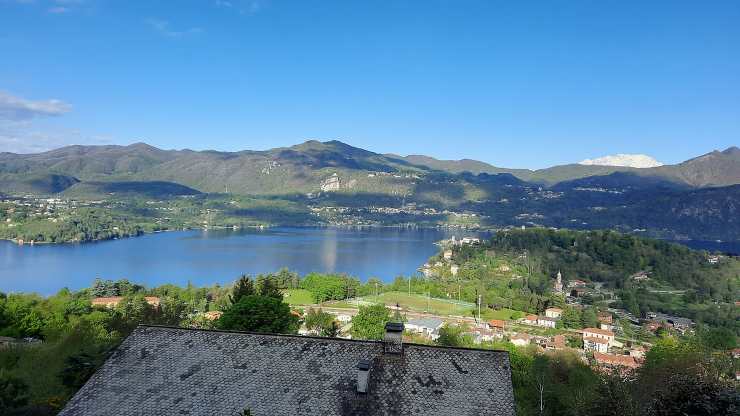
666,202
678,280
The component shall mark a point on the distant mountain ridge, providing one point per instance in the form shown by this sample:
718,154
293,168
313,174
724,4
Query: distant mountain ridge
717,168
302,167
694,199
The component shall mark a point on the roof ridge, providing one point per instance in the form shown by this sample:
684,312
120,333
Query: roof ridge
358,341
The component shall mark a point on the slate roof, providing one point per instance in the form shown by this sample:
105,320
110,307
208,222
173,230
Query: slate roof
432,323
176,371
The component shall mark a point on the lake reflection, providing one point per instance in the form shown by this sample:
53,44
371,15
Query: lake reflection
208,257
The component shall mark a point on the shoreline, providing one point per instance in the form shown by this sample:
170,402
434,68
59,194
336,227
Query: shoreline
222,227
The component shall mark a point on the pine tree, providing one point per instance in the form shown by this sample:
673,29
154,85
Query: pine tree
267,286
243,287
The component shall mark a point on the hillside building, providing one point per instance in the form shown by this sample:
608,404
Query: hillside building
553,313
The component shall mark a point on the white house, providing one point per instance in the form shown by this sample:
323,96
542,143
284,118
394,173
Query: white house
553,313
597,339
520,340
546,322
595,344
426,326
530,320
447,254
599,333
576,283
640,276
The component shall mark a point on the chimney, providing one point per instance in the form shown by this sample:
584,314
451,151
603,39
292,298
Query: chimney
393,339
363,375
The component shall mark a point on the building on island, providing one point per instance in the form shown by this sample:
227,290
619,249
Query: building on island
161,370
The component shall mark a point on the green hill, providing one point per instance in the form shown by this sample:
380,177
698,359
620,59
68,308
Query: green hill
36,183
668,201
130,189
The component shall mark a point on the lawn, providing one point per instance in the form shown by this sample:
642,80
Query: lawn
505,314
418,303
298,297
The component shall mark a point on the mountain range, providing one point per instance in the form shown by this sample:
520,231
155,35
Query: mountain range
682,200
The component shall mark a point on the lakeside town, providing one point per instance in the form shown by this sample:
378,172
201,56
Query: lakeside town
32,219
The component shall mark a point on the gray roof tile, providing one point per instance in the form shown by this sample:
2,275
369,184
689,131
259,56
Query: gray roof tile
175,371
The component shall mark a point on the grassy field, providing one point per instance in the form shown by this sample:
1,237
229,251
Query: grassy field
505,314
298,297
418,303
412,302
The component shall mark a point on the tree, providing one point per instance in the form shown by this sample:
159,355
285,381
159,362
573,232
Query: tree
259,314
243,287
571,318
322,323
13,392
589,318
325,287
453,336
132,311
613,396
718,338
268,286
77,370
172,311
369,323
687,395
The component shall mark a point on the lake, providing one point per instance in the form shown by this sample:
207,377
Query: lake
218,256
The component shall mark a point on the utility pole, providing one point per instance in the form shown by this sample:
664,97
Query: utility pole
409,285
458,289
429,293
376,292
479,302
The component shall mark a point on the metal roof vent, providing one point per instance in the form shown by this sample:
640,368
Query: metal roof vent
363,375
393,339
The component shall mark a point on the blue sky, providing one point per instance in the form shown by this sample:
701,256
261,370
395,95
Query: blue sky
515,83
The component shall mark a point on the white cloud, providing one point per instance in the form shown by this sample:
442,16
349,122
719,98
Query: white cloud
20,132
16,108
23,137
164,28
241,6
58,10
